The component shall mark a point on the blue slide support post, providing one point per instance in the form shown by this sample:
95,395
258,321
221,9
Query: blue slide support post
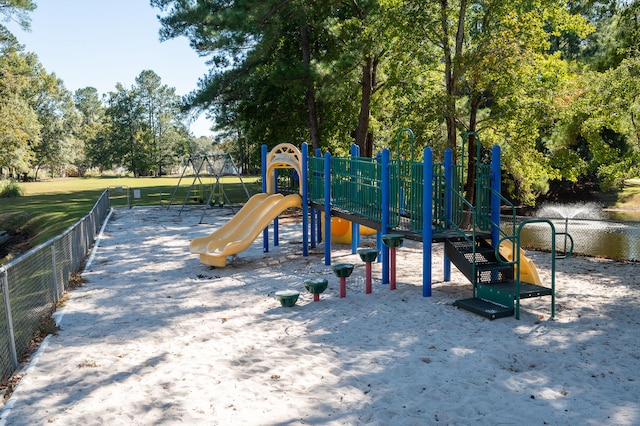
427,219
318,229
495,200
304,182
312,225
385,204
327,208
276,228
355,227
265,233
448,199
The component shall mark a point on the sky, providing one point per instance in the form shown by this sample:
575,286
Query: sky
99,43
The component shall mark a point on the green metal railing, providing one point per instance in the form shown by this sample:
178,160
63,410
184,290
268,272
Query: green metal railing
356,187
517,257
316,179
439,219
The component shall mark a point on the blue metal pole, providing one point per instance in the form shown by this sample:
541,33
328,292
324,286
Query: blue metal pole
276,228
304,182
265,232
318,229
385,202
327,208
355,227
448,185
427,219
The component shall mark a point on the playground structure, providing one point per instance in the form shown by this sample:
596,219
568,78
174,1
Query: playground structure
422,201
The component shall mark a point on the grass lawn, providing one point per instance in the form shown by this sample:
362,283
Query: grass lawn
49,207
629,197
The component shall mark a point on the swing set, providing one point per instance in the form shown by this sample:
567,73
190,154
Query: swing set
212,167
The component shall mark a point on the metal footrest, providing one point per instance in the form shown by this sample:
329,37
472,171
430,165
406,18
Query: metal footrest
484,308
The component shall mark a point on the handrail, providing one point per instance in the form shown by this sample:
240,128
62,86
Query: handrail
566,253
472,210
566,234
471,241
507,237
553,263
411,137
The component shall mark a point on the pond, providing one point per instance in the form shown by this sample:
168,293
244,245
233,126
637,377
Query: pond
614,235
622,215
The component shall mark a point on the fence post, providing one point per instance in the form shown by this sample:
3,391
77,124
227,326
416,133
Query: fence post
54,268
7,303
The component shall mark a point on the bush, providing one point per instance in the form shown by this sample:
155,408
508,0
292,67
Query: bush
10,189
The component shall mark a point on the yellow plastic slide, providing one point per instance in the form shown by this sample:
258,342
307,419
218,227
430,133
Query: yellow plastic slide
238,234
528,271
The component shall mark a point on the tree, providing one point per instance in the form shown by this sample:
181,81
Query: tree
494,56
597,135
59,119
16,11
122,144
92,111
261,84
283,68
19,126
144,127
162,116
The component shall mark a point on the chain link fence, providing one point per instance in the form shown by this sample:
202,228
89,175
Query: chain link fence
619,240
32,284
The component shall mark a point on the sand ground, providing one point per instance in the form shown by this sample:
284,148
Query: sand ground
156,338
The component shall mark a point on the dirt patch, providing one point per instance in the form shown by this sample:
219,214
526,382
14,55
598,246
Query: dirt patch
16,245
46,327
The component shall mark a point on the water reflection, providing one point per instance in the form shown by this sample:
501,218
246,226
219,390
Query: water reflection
622,215
606,238
615,235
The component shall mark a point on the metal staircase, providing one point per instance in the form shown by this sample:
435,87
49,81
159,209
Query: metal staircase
496,289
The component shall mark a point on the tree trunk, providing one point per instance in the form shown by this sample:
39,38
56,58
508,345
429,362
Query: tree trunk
470,184
473,160
363,138
314,127
451,71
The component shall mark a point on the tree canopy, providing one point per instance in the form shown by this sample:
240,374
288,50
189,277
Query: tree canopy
339,72
554,83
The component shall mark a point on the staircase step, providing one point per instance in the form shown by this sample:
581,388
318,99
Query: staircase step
453,235
484,308
483,254
527,290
